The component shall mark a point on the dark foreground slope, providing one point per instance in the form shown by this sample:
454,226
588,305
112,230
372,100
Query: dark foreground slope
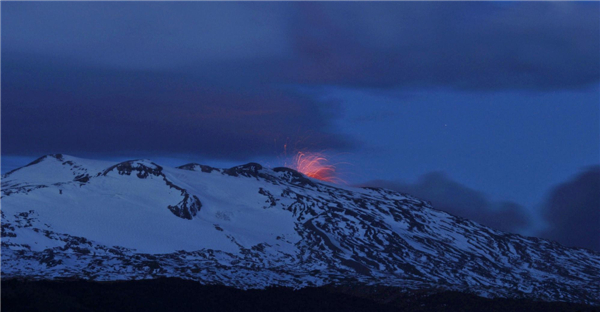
183,295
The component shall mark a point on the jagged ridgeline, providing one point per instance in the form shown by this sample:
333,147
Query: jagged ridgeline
253,227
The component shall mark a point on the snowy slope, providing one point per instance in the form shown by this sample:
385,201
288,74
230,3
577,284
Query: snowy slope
250,226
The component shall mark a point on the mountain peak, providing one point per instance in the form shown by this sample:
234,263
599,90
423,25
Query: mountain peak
137,219
196,167
54,168
142,167
248,170
58,157
294,176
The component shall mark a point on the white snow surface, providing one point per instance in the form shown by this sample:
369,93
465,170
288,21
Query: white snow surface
250,226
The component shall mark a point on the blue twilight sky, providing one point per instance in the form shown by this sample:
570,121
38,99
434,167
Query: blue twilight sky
498,101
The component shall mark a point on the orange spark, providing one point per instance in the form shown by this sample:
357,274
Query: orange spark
315,165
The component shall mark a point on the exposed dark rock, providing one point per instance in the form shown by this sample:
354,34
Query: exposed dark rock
195,166
271,199
187,208
295,177
247,170
142,170
83,178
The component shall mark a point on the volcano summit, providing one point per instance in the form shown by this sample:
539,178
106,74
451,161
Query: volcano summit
254,227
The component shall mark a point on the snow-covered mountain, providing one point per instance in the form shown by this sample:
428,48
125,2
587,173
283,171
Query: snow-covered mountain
251,227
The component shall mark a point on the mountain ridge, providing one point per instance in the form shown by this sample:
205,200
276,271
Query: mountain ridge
253,227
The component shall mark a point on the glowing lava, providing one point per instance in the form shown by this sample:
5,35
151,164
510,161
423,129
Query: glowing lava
315,165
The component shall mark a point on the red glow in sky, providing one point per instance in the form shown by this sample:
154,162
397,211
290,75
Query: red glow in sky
315,165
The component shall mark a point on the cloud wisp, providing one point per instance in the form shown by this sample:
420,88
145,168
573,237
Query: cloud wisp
460,200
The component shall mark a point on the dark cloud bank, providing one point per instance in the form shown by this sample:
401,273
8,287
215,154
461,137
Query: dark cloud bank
69,108
482,46
216,79
571,209
457,199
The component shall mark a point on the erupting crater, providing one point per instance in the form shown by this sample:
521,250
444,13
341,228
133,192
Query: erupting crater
315,165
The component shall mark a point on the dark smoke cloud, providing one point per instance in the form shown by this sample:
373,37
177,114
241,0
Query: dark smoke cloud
62,107
471,46
217,79
457,199
572,211
464,45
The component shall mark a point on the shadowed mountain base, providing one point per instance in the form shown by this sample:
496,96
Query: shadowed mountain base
184,295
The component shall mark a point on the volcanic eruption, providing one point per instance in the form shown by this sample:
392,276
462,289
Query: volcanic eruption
315,165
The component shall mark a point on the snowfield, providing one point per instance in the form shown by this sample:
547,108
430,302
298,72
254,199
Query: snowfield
252,227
